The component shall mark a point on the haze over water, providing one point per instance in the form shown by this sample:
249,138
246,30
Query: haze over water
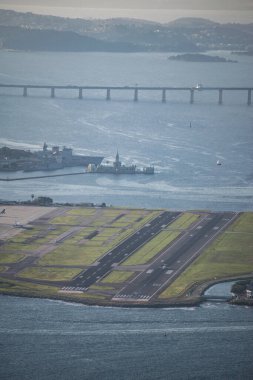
145,133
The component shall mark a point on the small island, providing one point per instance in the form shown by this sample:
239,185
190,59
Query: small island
189,57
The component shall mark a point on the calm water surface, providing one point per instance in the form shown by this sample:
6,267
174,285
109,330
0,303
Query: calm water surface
42,339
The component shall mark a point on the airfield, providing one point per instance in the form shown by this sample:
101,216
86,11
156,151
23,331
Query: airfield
118,256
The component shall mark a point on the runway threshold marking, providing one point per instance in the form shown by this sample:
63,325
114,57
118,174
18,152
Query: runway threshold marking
192,258
185,264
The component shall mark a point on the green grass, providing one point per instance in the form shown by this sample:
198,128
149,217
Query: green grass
230,255
83,212
117,276
2,269
152,248
69,255
14,286
10,246
31,240
66,219
50,274
8,258
243,224
184,221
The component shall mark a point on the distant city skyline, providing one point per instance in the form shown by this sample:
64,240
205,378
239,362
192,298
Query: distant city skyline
158,10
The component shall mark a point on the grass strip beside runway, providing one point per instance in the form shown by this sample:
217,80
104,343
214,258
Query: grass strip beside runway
8,258
29,288
117,276
49,274
152,248
230,255
184,221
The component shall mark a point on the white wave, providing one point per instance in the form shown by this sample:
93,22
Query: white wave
145,330
19,144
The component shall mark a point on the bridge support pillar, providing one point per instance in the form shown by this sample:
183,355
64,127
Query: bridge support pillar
192,96
136,95
80,95
25,91
52,92
249,97
108,94
164,96
220,96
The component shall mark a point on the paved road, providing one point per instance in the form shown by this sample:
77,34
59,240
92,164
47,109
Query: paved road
122,251
175,259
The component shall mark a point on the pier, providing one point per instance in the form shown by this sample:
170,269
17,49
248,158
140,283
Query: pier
215,298
26,90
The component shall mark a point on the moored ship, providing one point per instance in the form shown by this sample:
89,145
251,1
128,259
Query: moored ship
43,160
118,168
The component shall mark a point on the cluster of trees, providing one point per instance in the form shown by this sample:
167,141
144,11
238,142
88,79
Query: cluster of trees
239,287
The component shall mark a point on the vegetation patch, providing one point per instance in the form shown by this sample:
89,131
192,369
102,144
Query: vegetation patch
10,246
243,224
152,248
85,212
20,287
49,274
184,221
31,240
229,256
118,276
8,258
66,219
68,254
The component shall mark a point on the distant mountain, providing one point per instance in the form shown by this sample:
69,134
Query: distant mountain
16,38
29,31
192,23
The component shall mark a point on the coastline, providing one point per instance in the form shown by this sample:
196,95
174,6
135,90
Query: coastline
90,302
117,257
196,299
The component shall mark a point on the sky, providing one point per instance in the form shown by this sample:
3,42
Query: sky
154,10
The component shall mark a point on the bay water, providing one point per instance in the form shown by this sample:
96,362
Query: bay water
42,339
145,133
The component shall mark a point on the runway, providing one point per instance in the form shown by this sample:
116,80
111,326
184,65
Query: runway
122,251
175,259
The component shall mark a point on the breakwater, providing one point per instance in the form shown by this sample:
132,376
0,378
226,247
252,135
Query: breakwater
39,176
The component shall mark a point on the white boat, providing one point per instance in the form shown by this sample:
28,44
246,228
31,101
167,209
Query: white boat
218,162
199,86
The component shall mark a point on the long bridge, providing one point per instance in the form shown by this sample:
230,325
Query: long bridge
135,89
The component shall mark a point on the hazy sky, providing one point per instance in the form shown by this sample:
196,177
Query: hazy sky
157,10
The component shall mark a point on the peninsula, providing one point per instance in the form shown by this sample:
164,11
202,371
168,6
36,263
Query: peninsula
121,257
43,160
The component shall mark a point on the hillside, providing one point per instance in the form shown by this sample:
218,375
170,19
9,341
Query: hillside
36,32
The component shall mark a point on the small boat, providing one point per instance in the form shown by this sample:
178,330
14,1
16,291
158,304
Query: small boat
199,86
218,163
